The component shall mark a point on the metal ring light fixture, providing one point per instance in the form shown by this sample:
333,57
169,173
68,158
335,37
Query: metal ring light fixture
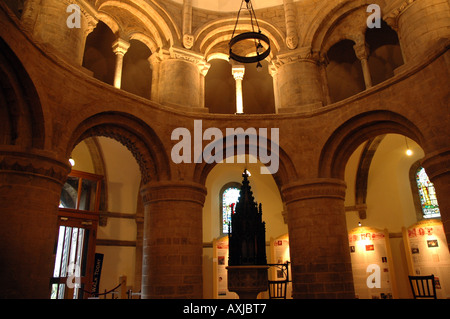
256,36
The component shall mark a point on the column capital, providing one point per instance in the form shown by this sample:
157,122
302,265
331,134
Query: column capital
190,56
154,192
238,72
393,15
313,189
33,163
302,54
120,46
361,50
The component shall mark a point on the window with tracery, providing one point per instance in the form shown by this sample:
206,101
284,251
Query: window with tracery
228,199
427,194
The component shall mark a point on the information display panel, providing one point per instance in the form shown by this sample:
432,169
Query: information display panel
280,255
428,254
220,274
371,263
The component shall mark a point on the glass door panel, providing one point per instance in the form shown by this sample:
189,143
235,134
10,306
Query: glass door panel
70,275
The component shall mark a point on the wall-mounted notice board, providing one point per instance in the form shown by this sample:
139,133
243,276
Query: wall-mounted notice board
220,274
427,253
371,257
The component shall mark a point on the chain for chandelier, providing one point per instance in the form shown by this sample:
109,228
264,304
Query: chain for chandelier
254,35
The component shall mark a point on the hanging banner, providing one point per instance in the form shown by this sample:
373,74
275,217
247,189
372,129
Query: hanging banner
98,262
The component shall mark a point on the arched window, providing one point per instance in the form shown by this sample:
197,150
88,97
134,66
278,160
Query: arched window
229,196
427,194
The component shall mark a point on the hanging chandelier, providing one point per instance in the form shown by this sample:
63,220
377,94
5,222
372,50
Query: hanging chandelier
255,35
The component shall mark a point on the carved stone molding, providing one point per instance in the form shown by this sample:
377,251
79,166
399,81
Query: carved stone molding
247,281
180,54
87,12
392,17
192,57
132,143
316,188
303,54
173,191
34,164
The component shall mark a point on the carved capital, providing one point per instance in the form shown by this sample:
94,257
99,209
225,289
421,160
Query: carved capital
314,189
120,46
392,17
192,57
361,50
298,55
34,164
238,72
87,12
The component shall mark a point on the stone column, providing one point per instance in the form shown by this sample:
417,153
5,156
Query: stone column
238,72
362,53
318,239
420,25
297,81
437,166
173,240
64,28
180,78
120,48
30,189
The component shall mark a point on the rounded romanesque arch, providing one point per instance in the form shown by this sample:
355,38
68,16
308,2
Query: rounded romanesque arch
284,174
212,38
352,133
327,16
134,134
22,119
148,17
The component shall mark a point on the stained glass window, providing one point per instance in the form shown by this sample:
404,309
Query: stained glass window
428,200
229,198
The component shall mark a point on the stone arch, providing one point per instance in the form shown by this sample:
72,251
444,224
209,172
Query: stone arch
134,134
362,173
212,38
20,107
325,20
285,174
345,75
136,69
99,56
384,52
151,16
345,139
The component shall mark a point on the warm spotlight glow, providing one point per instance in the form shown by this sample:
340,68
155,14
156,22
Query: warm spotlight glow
71,161
409,152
